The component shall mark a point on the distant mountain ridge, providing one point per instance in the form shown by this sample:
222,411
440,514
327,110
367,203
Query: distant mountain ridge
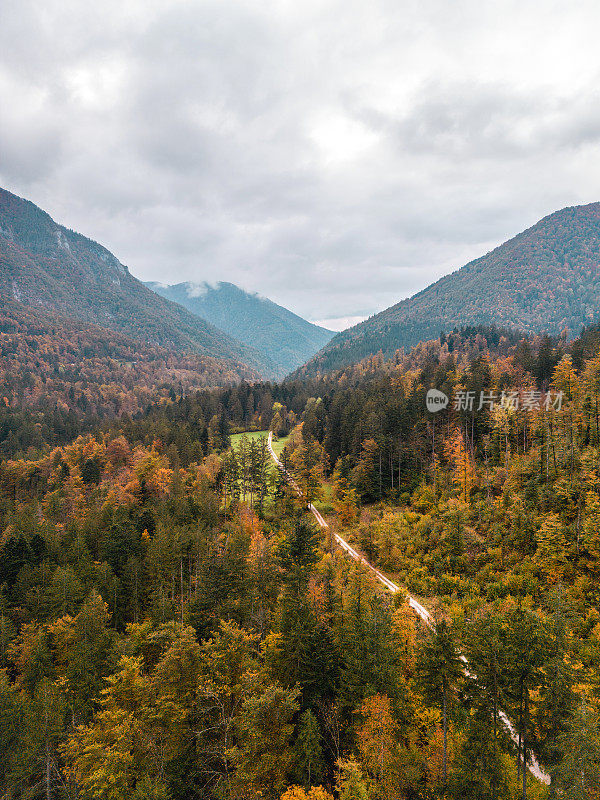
280,335
45,265
546,278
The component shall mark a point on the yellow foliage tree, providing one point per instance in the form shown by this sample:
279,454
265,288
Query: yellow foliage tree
462,463
308,461
551,551
377,741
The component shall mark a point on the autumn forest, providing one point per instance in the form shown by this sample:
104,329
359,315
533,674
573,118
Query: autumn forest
174,624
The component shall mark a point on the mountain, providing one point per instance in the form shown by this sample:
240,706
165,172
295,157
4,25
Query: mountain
546,278
281,336
47,266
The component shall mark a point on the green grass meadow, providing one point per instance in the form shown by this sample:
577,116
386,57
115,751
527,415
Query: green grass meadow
278,444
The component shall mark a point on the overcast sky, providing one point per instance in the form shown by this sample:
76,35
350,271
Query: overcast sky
333,156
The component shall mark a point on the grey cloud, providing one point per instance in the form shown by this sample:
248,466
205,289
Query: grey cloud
492,122
333,156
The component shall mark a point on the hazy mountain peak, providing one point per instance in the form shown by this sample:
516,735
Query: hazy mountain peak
280,335
196,289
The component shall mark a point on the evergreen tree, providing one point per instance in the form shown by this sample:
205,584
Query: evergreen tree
37,761
557,698
527,652
306,653
231,478
440,671
485,649
479,772
552,548
263,756
308,750
578,774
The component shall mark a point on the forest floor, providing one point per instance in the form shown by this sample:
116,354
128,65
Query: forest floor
278,444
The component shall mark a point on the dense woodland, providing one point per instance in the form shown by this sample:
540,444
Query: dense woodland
60,378
173,625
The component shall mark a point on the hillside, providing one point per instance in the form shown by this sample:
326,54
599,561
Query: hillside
45,265
40,350
280,335
546,278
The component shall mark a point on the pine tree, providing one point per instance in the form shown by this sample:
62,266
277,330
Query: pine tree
243,456
526,654
371,662
37,760
10,713
479,772
485,649
578,774
231,478
557,698
365,473
308,750
589,544
214,435
82,647
440,671
263,755
306,654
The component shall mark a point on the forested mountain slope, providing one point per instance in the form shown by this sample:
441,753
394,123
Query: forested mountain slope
60,377
47,266
546,278
280,335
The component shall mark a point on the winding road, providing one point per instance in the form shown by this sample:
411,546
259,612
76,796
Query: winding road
418,609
